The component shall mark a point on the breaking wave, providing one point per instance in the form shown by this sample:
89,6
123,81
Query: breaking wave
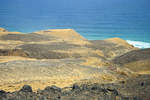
139,44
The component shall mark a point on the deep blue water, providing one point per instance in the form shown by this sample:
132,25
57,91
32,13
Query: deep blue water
93,19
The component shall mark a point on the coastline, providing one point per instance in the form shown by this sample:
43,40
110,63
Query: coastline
139,44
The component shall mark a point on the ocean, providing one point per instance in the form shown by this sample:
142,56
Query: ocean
93,19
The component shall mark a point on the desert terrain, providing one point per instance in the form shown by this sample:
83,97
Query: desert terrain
60,64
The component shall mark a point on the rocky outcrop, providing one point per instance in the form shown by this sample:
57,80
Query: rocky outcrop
113,91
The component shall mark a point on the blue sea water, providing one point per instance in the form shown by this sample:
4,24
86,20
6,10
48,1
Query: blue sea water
93,19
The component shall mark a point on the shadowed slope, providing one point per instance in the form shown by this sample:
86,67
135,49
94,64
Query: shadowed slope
50,44
57,50
30,37
13,52
133,56
137,60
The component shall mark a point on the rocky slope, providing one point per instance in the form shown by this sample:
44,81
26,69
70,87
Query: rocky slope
101,69
113,91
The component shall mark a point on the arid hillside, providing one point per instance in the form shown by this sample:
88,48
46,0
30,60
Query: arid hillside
62,57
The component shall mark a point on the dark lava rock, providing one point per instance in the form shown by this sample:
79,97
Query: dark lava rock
26,88
2,92
131,90
75,86
114,91
52,89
